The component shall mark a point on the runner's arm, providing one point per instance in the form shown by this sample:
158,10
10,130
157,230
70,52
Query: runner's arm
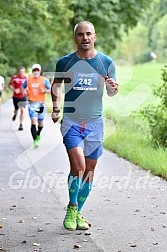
10,84
47,86
56,91
110,81
24,88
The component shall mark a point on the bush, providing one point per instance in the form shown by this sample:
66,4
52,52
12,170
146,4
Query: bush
157,115
143,58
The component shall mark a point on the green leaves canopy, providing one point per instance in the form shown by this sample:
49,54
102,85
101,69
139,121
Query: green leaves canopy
30,31
108,16
41,31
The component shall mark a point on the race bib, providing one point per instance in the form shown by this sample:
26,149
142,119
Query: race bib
84,81
35,85
35,89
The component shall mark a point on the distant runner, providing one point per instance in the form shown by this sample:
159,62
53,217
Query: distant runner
19,99
36,86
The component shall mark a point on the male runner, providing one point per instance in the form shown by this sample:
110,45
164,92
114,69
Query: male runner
2,85
36,86
19,99
85,72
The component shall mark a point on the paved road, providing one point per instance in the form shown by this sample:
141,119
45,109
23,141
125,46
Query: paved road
127,206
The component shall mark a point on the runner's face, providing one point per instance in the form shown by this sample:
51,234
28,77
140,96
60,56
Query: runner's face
22,72
36,73
85,37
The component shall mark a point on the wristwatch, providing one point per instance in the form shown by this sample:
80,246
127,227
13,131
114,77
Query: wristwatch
56,110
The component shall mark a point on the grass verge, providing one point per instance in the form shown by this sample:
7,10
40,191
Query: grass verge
129,138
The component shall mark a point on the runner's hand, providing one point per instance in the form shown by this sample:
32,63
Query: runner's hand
111,84
55,115
42,90
17,90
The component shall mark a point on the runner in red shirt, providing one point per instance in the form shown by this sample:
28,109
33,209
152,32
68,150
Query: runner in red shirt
19,99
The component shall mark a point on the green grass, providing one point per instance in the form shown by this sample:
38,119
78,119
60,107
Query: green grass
148,73
132,141
128,135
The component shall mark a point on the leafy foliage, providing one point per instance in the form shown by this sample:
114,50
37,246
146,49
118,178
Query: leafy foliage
159,38
157,115
41,31
150,35
30,31
108,16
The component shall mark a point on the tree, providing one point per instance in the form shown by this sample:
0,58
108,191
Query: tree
41,31
156,11
134,45
148,36
108,16
30,30
159,38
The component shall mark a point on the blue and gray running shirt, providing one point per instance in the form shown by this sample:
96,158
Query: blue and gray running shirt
84,83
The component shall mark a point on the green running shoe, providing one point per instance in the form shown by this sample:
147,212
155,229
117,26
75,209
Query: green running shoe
70,218
82,224
37,141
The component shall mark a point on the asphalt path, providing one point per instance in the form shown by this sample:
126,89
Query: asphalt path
127,206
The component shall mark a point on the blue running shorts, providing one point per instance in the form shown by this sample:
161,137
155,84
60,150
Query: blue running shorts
36,110
88,135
